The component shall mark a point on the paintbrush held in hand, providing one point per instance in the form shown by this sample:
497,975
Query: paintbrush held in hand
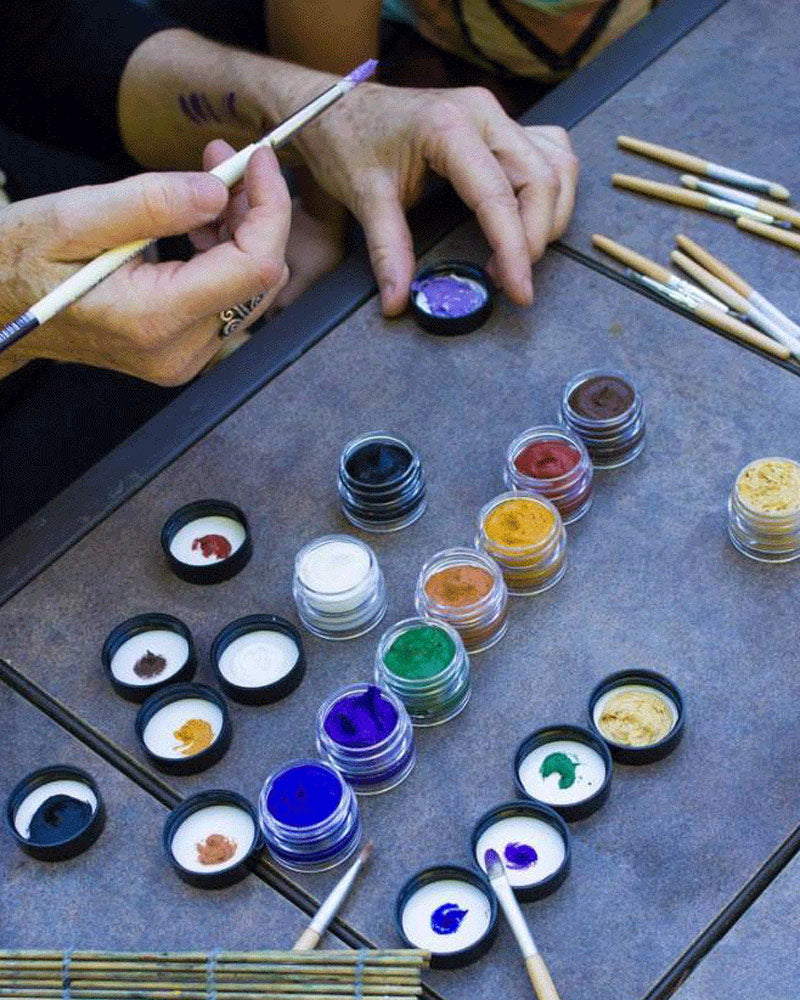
537,970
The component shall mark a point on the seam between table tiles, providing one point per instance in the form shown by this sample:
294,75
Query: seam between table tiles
155,786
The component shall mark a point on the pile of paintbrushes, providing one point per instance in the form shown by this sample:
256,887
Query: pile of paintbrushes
279,975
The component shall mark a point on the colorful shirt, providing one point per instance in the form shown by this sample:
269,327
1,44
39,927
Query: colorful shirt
539,39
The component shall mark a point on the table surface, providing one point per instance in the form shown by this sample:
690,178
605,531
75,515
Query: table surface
652,581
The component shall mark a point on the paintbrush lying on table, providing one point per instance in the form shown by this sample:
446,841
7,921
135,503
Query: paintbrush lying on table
230,172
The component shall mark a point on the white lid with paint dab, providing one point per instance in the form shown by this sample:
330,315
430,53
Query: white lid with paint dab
527,831
258,658
418,912
587,774
159,732
182,545
161,642
235,824
27,808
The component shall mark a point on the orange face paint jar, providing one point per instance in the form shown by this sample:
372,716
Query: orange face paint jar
524,534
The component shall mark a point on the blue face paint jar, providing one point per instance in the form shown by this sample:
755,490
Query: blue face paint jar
309,816
366,734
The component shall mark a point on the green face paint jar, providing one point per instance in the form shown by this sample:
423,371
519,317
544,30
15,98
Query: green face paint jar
424,663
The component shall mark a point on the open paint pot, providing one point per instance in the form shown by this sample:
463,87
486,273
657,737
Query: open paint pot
450,912
533,842
309,816
258,659
554,463
381,483
366,734
145,653
210,837
639,714
606,411
184,729
338,587
451,298
764,510
424,663
207,541
566,767
465,589
56,813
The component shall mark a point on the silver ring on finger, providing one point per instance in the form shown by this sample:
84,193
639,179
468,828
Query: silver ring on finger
233,318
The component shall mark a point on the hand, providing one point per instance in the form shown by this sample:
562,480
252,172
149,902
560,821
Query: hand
373,149
159,322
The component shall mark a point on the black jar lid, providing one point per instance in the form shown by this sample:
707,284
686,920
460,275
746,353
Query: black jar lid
661,685
82,830
219,878
441,873
452,325
152,621
204,758
576,734
534,810
220,569
258,694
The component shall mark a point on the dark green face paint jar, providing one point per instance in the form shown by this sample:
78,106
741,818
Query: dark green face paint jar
425,664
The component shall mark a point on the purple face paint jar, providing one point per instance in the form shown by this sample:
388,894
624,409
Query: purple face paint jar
365,732
452,297
309,816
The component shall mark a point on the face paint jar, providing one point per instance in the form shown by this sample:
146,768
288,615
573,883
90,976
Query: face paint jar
366,734
258,659
309,816
554,463
450,912
639,714
466,590
146,653
764,510
207,541
381,483
338,587
451,298
424,663
605,410
184,728
525,536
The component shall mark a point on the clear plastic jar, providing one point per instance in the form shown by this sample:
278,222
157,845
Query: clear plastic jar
305,789
338,587
612,423
433,688
366,734
570,490
465,589
381,483
764,534
538,561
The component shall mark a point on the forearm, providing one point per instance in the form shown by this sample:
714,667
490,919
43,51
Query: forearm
331,35
180,90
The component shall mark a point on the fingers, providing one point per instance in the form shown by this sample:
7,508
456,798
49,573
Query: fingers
555,144
85,221
391,249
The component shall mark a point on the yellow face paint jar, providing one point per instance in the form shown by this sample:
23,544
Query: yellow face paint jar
764,510
524,534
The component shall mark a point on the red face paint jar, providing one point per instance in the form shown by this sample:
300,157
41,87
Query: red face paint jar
554,463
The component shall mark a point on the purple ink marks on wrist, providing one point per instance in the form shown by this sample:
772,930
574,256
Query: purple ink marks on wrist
520,856
447,918
448,295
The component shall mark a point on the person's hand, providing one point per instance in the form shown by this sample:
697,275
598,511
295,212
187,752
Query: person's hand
373,149
159,322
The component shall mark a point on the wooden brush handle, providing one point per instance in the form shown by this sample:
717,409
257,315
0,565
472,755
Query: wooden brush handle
675,157
307,941
770,233
540,978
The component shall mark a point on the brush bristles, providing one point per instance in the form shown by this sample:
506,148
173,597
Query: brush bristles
362,72
494,866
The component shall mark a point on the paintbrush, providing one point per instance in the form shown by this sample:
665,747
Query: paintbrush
310,937
537,970
230,172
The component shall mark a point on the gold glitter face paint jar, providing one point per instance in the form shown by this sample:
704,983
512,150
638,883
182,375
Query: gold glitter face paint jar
764,510
524,534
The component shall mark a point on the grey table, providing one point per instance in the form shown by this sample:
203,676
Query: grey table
661,872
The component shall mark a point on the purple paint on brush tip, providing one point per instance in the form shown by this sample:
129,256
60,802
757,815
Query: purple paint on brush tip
520,856
362,72
491,857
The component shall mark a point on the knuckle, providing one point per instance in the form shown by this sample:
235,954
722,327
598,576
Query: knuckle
269,271
158,200
482,98
444,115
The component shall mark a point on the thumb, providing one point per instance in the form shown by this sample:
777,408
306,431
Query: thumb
88,220
391,250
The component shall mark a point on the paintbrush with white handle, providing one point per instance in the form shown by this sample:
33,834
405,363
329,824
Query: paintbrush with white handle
534,963
230,172
311,936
